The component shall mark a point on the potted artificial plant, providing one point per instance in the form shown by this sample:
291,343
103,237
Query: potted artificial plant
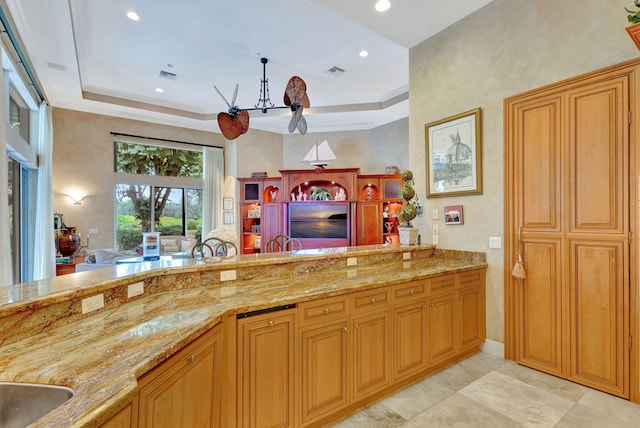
410,210
634,18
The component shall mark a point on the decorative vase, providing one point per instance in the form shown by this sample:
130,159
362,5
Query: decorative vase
634,33
69,242
408,235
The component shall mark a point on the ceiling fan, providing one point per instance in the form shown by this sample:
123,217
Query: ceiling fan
235,121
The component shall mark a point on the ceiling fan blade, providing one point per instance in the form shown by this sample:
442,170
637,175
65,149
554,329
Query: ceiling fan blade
235,94
231,127
243,117
295,118
302,125
220,93
304,102
295,91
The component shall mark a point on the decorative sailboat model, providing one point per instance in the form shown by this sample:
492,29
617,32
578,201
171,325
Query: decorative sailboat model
320,155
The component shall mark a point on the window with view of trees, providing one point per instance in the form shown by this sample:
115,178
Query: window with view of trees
155,206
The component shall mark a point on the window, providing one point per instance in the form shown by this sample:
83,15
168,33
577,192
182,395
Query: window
19,114
164,195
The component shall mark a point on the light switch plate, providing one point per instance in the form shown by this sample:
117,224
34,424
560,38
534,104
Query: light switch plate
434,214
434,240
495,242
435,229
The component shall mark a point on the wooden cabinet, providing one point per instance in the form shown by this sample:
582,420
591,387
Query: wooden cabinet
442,327
409,329
371,367
266,369
471,311
261,214
568,211
125,418
272,223
183,390
369,223
66,268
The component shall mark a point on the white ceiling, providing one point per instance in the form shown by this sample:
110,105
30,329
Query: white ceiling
89,56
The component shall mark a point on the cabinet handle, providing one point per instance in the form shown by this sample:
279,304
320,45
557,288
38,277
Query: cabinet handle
432,306
271,323
373,300
411,292
345,328
326,310
425,307
356,325
191,358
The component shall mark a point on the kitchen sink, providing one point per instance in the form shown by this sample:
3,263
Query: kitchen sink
24,403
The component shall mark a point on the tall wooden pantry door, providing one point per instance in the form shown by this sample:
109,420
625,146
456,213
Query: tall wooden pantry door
568,215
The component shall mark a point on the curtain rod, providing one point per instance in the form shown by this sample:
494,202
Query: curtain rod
119,134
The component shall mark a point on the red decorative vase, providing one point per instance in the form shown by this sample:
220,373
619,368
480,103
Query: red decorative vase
69,242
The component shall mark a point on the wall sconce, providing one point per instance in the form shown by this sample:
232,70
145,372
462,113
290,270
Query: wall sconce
77,198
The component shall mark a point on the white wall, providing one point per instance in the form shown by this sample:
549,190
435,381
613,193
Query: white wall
506,48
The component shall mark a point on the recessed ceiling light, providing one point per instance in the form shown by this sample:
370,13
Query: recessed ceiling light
133,16
160,90
364,53
383,5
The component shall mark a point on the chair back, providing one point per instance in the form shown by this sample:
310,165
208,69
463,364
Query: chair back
282,243
214,247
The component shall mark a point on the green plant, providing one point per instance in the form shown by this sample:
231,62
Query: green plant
634,18
411,208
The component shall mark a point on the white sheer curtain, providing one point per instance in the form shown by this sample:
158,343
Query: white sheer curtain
44,248
6,265
213,182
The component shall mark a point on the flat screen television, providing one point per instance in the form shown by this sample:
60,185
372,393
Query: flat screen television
320,224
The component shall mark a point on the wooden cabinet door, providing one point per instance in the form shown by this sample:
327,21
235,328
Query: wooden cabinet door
370,349
266,364
324,370
471,318
125,418
182,392
409,339
272,222
369,223
442,327
568,209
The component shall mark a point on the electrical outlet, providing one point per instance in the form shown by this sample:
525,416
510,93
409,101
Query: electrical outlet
93,231
352,261
135,289
92,303
227,275
434,239
406,255
435,229
434,214
495,242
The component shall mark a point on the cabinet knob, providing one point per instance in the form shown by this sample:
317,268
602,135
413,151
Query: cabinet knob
327,310
356,325
411,292
373,300
432,306
345,328
271,323
191,358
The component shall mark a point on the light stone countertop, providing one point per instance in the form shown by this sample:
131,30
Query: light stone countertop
44,338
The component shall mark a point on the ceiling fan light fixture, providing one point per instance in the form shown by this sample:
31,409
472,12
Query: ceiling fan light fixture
133,16
363,53
383,5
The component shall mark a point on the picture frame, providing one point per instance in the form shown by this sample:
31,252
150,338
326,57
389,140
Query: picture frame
257,242
227,203
453,215
251,213
454,155
228,217
257,210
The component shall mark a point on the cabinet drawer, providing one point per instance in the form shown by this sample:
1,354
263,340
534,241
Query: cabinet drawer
364,301
471,278
407,292
443,283
323,309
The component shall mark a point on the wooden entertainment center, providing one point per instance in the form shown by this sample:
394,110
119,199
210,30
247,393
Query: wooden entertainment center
321,208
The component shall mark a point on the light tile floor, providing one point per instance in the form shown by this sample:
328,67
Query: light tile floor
488,391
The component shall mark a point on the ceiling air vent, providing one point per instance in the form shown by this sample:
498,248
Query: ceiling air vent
335,71
168,75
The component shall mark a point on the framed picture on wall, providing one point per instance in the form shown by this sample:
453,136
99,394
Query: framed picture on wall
227,203
228,217
454,155
453,214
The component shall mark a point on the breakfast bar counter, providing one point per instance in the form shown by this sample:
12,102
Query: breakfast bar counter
98,332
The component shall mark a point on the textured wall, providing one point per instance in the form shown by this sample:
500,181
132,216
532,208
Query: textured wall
506,48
